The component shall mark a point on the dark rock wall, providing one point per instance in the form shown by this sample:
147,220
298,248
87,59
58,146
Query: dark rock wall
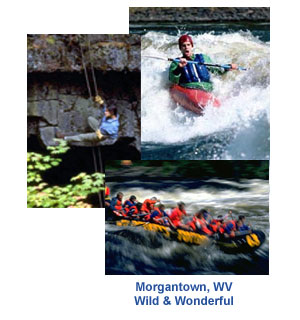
58,96
198,14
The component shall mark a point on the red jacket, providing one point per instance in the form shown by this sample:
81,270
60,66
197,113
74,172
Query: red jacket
203,225
107,191
176,216
148,205
216,226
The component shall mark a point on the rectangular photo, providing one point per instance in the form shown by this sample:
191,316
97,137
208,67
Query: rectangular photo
205,82
83,108
187,217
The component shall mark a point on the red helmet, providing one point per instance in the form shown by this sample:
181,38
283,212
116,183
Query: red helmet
185,38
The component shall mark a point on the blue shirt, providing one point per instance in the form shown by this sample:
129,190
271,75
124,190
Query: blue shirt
229,227
243,228
156,213
110,127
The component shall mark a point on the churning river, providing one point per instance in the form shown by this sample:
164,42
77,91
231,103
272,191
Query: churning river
239,129
133,250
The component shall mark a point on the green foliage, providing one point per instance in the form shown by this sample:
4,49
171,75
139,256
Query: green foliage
72,195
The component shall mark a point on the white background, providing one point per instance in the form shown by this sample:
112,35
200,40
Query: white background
52,260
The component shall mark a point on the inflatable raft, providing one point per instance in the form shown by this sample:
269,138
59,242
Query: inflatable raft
244,242
194,100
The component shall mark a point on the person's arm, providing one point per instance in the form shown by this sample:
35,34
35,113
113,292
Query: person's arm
214,70
113,203
217,70
174,72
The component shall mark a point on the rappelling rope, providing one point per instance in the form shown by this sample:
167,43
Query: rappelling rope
100,194
85,70
92,66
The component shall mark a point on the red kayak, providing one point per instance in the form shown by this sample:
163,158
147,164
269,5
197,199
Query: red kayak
194,100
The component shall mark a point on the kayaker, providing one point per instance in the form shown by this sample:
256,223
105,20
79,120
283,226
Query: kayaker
194,76
105,130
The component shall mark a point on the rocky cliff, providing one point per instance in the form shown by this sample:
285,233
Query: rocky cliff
58,95
143,15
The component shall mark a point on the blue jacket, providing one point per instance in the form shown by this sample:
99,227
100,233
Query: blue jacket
243,228
229,227
195,72
156,213
110,127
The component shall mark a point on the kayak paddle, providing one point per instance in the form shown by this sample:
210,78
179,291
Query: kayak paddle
224,66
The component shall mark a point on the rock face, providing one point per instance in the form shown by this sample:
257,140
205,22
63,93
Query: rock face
199,14
58,95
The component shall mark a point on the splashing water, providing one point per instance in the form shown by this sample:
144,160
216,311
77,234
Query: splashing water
133,250
239,129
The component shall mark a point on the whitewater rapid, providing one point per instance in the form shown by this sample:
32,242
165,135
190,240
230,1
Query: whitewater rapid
137,251
244,114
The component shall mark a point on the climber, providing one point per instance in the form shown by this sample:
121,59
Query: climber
105,130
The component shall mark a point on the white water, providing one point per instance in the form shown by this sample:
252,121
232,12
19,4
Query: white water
253,191
249,197
244,94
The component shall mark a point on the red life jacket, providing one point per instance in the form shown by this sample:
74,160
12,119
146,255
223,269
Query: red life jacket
148,205
215,225
233,222
192,225
134,210
148,216
131,206
176,215
160,213
159,216
232,234
107,191
127,205
203,225
118,205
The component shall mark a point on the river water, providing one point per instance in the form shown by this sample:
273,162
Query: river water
238,130
133,250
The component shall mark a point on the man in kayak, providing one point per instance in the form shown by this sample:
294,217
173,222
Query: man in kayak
105,130
192,76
